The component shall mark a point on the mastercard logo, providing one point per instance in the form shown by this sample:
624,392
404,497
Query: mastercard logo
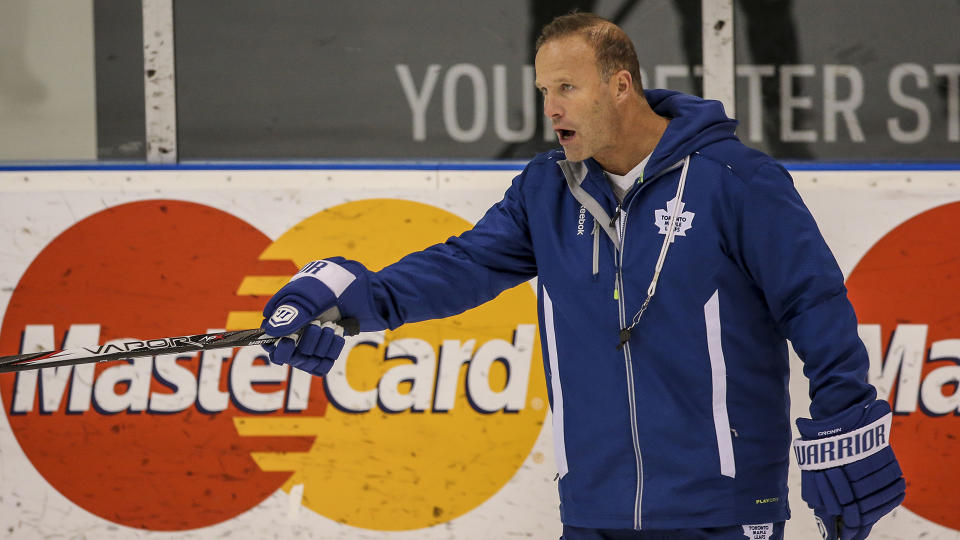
411,428
905,292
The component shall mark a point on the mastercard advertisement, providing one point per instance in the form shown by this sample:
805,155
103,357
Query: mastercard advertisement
435,430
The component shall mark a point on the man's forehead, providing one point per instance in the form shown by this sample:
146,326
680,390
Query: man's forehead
573,46
564,58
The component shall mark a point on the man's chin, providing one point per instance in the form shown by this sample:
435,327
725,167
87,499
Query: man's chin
574,154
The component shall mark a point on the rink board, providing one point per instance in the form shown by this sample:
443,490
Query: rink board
46,215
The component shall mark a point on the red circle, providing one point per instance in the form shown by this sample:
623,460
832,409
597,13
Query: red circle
910,276
146,270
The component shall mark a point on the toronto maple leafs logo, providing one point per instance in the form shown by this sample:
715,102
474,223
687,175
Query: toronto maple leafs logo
683,224
760,531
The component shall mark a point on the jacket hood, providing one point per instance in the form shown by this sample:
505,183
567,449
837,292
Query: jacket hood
694,124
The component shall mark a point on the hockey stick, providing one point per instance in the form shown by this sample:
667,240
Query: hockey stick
150,347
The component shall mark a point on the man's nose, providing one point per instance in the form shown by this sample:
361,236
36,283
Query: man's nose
550,108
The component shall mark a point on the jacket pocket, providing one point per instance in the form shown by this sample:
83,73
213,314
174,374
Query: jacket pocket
718,371
559,446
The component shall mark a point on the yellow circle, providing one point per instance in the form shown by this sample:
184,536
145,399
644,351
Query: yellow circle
386,470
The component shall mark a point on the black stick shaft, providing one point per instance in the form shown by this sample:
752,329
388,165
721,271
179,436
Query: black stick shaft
150,347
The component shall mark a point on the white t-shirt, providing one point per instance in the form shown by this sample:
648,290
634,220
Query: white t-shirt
622,184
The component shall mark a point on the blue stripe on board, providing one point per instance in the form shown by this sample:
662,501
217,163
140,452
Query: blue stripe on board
275,166
429,166
870,166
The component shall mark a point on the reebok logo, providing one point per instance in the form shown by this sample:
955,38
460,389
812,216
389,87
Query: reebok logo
581,220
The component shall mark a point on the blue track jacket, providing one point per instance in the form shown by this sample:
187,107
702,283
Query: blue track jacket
686,424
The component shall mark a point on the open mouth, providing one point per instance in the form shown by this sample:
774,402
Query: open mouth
565,135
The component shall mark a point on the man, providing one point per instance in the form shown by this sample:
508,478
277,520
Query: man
663,323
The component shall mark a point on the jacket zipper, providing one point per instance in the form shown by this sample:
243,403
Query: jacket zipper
626,326
621,219
574,178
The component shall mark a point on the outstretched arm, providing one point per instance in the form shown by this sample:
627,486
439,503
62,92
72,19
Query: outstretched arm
442,280
463,272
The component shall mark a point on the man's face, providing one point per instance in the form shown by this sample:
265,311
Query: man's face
578,102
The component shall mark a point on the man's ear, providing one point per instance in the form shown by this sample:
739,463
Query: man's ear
624,82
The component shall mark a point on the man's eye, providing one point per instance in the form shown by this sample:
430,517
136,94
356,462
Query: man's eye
566,87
